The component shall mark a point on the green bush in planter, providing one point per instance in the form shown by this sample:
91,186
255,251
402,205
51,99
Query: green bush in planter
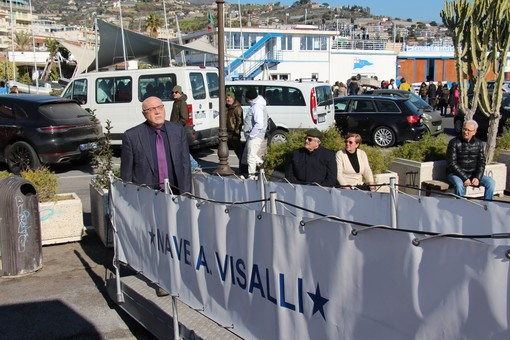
502,143
278,155
5,174
44,181
427,149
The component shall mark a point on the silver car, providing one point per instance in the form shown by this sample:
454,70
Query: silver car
431,118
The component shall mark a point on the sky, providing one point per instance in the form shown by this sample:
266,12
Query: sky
427,10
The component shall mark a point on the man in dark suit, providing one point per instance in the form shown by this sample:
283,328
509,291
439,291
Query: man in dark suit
147,147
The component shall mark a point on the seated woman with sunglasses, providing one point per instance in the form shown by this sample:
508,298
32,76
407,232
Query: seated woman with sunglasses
352,165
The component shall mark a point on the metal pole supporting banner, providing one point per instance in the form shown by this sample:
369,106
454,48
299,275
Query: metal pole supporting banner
393,202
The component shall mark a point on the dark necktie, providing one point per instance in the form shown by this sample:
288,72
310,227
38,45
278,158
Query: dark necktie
162,163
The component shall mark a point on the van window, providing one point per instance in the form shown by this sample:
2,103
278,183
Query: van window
213,84
159,85
197,85
240,90
77,91
324,95
284,96
114,90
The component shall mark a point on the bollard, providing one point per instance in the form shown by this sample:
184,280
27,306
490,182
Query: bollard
20,227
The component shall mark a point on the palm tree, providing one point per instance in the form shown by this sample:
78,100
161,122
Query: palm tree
153,23
23,41
52,46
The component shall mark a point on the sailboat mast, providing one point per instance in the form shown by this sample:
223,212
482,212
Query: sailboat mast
183,58
33,49
12,45
167,34
122,33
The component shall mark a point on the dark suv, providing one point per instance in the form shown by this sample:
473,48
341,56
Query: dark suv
483,120
36,129
382,120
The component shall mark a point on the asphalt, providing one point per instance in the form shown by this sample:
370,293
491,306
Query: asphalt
67,298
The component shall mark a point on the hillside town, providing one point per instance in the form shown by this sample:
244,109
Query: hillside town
73,22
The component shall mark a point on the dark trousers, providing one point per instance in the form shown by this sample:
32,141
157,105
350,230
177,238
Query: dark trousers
235,144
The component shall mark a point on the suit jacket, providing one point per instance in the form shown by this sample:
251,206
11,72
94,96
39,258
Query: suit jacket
137,164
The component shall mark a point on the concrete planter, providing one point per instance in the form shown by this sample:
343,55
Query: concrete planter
504,157
99,212
498,171
61,220
412,174
384,178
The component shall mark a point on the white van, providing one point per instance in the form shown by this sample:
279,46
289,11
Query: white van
117,96
290,104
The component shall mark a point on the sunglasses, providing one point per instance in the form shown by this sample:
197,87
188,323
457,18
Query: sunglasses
310,139
176,91
350,142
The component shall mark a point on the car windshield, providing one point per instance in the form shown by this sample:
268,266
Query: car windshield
418,102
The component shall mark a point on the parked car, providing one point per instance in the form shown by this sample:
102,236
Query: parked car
382,120
37,129
431,118
505,88
483,120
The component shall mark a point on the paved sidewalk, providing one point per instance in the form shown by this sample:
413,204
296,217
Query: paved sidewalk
67,298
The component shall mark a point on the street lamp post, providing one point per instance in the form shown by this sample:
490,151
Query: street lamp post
223,167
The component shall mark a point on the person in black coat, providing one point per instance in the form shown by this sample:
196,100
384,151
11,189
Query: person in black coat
139,157
465,160
312,164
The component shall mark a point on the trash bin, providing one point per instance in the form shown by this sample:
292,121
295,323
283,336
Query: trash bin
20,227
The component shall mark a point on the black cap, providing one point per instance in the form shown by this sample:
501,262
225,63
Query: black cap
251,93
314,133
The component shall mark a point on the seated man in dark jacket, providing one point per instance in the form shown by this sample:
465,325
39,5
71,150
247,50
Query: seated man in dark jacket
465,159
312,164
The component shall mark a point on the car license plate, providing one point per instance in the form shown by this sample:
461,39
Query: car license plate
322,119
438,127
87,146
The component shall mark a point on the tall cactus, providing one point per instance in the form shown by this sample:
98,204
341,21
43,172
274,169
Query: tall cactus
481,34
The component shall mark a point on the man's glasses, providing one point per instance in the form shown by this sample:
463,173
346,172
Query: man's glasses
310,139
154,108
176,91
468,130
350,142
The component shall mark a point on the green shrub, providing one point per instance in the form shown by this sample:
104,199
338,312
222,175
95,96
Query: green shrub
502,143
44,181
427,149
379,162
278,155
5,174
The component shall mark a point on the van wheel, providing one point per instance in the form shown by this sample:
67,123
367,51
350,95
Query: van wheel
279,136
21,156
384,137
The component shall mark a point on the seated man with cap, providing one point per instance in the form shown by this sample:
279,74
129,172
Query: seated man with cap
312,164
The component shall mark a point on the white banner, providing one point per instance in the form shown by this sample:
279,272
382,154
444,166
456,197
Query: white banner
274,278
432,214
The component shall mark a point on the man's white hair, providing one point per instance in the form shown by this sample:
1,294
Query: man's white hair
471,122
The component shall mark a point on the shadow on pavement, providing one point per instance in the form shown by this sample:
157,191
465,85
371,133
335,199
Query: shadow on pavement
54,319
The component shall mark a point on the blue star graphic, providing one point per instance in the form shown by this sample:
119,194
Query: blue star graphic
152,236
318,301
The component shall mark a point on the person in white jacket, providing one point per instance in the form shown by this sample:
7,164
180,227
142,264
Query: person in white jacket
255,126
353,169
